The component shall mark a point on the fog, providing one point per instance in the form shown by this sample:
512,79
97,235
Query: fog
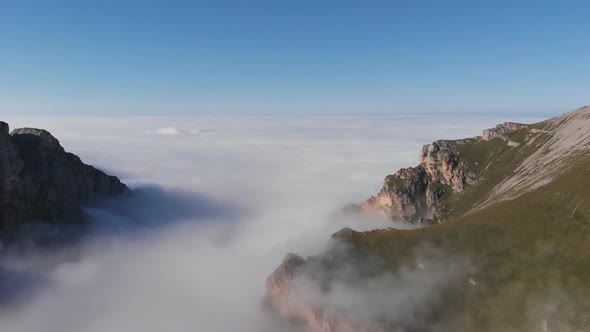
367,292
218,203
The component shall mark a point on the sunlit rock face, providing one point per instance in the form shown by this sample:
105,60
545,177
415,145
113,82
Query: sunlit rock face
403,195
415,193
501,129
444,166
40,181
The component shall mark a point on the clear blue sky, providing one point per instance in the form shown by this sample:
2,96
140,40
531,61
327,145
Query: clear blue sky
293,57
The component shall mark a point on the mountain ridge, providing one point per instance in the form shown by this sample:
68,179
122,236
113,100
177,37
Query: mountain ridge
447,168
40,181
525,243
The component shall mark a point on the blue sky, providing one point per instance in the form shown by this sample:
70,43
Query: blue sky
293,57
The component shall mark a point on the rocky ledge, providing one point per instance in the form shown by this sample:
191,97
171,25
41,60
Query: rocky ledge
40,181
501,130
417,193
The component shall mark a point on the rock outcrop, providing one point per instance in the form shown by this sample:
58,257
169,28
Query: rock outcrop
40,181
444,166
501,130
416,193
278,285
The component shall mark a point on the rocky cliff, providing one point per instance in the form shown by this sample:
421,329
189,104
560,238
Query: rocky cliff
40,181
417,193
501,130
517,205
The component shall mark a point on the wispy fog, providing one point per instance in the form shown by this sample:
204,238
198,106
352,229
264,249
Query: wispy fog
372,297
218,204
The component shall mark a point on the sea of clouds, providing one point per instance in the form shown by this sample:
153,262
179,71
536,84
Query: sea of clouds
220,202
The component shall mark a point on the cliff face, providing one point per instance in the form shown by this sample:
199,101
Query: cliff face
417,193
40,181
520,210
501,130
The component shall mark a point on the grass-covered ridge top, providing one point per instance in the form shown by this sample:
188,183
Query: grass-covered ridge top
524,226
464,175
530,255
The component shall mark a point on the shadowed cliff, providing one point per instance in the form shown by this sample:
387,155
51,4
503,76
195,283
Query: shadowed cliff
40,181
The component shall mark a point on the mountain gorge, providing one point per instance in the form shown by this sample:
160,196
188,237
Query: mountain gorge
506,218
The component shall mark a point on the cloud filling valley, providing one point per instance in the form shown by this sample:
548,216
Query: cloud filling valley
220,202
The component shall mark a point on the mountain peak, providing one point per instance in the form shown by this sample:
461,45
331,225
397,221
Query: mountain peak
40,181
36,136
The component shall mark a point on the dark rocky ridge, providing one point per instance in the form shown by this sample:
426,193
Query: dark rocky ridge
40,181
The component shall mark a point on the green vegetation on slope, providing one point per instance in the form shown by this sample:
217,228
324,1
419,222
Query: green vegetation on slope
530,254
492,161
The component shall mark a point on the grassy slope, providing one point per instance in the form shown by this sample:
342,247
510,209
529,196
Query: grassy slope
492,161
531,250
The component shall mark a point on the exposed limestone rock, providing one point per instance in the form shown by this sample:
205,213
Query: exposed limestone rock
502,129
278,284
416,193
42,182
444,165
513,144
403,195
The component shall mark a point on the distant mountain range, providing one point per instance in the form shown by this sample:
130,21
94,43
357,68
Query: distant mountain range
507,241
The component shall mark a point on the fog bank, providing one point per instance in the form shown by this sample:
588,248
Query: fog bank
218,204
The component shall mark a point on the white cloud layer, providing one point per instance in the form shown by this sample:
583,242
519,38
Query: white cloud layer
206,271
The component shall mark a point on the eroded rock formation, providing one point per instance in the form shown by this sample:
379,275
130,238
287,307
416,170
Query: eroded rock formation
501,130
40,181
550,151
416,193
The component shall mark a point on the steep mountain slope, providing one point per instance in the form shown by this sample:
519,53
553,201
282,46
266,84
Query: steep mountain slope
39,181
564,142
458,176
521,222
